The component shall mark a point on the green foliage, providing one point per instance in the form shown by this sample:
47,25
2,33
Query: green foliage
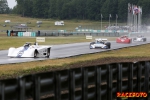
79,9
4,7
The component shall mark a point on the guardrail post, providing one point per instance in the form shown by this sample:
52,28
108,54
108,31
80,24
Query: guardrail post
146,81
36,87
139,76
98,83
130,77
109,82
72,85
84,83
21,92
57,86
119,79
2,91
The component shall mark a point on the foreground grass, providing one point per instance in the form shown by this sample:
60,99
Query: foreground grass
10,70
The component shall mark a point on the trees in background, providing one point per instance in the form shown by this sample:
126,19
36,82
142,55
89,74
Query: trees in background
79,9
4,7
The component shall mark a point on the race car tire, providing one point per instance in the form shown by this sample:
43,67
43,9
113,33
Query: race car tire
131,40
35,53
108,45
91,44
48,52
144,39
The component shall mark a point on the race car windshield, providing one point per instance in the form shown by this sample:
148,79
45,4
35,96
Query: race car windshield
99,41
26,45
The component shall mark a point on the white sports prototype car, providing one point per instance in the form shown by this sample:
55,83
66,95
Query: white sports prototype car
28,50
140,38
100,43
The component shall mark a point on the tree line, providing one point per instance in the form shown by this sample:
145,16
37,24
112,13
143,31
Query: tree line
79,9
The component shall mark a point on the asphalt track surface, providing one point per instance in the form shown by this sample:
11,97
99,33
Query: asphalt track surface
66,50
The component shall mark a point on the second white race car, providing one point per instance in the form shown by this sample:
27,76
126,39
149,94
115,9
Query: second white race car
100,43
28,50
140,38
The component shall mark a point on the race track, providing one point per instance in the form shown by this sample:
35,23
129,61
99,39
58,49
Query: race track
66,50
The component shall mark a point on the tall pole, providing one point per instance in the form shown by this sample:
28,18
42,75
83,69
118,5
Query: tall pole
109,19
116,19
101,21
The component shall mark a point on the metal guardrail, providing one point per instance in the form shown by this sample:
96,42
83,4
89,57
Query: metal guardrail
100,82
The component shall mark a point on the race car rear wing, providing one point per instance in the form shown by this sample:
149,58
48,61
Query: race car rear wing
101,39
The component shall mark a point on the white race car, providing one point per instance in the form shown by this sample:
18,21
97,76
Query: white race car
28,50
100,43
140,38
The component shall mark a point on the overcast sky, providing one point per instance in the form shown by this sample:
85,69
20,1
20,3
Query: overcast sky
11,3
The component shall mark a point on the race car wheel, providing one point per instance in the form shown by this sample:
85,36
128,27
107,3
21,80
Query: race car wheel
144,40
108,45
91,44
131,40
35,53
134,39
48,52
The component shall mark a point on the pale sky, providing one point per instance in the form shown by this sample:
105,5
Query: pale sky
11,3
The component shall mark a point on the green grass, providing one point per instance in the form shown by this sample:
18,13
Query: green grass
48,24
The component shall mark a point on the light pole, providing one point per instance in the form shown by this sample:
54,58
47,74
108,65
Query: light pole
109,19
101,21
116,19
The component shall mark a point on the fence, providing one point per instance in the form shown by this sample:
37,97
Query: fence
102,31
100,82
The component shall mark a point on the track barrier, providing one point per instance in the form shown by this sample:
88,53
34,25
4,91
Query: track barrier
26,34
100,82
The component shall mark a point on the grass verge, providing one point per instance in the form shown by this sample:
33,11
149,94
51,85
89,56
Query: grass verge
132,54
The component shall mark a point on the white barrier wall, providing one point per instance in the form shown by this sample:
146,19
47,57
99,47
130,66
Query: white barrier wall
101,31
26,34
